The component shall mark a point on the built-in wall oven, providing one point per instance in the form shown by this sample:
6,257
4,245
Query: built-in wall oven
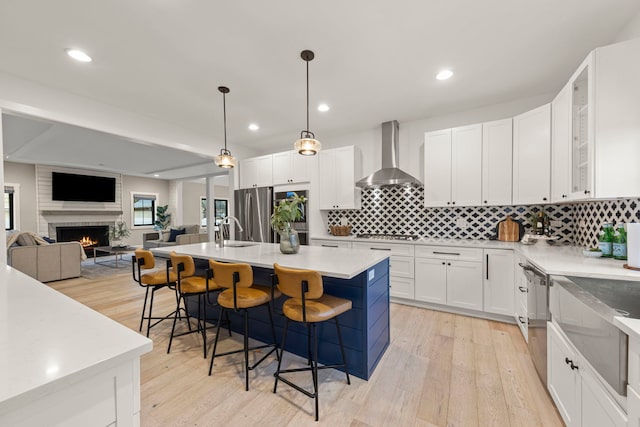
537,316
301,225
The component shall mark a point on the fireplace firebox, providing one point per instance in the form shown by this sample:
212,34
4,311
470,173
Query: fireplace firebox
88,236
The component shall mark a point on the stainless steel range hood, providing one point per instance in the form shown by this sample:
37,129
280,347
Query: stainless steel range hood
390,174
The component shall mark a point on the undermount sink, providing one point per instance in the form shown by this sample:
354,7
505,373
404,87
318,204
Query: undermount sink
239,245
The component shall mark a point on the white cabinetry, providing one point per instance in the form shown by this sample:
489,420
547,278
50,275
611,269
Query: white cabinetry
453,166
328,243
520,292
497,158
577,393
256,172
532,156
339,169
289,167
561,145
498,282
401,266
449,275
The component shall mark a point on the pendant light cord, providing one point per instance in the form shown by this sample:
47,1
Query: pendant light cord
307,96
224,112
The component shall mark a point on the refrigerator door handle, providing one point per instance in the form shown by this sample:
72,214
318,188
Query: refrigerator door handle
247,223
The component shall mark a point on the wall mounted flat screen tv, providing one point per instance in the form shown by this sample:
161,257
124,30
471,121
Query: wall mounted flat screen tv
82,188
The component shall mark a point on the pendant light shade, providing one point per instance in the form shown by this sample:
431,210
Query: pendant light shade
225,160
307,145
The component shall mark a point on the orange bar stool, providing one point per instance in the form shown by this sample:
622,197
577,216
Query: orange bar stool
241,295
309,305
151,281
189,285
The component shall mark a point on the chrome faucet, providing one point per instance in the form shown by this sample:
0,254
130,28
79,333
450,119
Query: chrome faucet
221,230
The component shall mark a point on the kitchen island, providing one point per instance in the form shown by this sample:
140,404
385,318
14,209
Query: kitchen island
61,363
358,275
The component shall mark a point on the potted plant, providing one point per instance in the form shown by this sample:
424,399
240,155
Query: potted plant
117,232
163,219
284,213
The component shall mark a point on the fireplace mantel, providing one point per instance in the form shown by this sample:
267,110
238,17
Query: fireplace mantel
81,212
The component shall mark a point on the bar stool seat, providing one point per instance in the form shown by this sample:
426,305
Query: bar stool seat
308,304
152,281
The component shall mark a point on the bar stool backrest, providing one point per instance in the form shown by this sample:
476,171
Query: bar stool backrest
187,261
290,281
223,274
147,258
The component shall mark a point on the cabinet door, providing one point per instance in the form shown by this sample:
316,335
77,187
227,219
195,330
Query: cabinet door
598,407
498,282
331,243
431,280
326,179
563,382
497,159
532,156
561,145
437,168
248,173
581,148
282,168
302,166
401,287
264,171
337,178
466,165
464,284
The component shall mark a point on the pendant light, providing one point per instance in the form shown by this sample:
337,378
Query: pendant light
307,145
225,159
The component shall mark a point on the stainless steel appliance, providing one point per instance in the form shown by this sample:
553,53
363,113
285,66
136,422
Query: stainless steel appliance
537,316
584,308
389,236
253,208
301,225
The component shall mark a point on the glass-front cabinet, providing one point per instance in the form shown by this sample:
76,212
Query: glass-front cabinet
582,131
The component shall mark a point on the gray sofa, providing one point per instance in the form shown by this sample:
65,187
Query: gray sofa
47,263
153,240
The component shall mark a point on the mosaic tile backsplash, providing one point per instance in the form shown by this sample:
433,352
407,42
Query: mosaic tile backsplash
400,210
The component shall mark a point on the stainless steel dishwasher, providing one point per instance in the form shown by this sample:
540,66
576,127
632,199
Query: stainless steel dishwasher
537,316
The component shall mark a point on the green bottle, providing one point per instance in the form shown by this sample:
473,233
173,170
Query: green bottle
620,243
605,242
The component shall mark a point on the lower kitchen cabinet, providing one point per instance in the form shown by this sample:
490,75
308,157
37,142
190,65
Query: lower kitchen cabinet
520,295
578,395
449,275
401,266
498,281
331,243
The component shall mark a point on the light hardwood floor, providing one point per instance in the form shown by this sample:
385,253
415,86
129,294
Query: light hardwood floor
440,369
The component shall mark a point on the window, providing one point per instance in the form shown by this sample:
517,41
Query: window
144,209
221,210
11,207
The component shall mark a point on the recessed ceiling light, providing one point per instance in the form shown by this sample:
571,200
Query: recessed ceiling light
78,55
253,127
323,107
444,74
156,175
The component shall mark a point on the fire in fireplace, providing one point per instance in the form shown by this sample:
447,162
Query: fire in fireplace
88,236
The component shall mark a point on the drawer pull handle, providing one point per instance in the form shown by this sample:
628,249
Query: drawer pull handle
523,289
570,363
329,246
521,319
446,253
380,249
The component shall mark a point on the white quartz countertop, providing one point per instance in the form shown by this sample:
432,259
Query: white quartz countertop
332,262
429,241
48,340
629,326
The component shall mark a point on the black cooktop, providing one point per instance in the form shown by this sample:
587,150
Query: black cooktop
389,236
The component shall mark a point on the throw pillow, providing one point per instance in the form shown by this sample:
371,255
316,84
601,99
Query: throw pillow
174,233
191,229
26,240
164,235
48,239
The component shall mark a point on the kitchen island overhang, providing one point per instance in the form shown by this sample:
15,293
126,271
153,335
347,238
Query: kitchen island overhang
361,276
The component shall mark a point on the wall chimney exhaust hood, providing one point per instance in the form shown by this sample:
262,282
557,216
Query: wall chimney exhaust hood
390,174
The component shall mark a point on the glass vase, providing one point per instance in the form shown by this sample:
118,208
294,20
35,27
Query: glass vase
289,240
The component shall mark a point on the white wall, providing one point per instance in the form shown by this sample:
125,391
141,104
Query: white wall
629,31
25,175
191,193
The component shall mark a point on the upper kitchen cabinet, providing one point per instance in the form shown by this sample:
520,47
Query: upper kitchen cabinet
497,151
289,167
561,145
256,172
532,156
339,169
453,167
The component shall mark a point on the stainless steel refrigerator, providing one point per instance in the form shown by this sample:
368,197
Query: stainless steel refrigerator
253,208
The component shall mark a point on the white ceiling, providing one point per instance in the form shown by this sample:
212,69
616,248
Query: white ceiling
375,59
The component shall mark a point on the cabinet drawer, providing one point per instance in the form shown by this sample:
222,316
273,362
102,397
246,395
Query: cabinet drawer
392,248
401,287
449,252
331,243
401,266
